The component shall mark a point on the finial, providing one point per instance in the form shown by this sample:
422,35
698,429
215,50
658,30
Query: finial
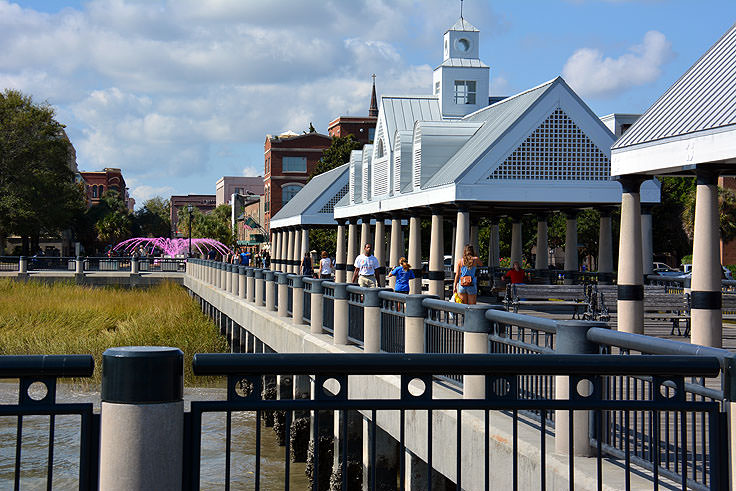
461,9
374,78
373,110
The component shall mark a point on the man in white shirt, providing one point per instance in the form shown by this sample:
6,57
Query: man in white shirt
365,268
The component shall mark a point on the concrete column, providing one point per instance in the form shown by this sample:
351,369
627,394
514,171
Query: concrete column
365,233
305,243
516,240
141,422
437,255
23,265
414,339
79,266
707,318
228,278
387,458
340,314
316,299
270,279
630,280
571,247
283,286
276,250
234,276
542,259
371,321
134,266
605,249
352,250
340,253
475,341
571,340
647,244
348,426
397,247
415,253
290,252
284,251
297,258
494,247
250,284
297,300
241,281
379,250
259,274
462,235
223,276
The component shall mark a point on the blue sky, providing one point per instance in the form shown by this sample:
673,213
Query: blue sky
179,93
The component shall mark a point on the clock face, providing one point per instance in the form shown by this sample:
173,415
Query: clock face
462,44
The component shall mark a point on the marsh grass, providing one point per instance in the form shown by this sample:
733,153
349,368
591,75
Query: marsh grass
64,318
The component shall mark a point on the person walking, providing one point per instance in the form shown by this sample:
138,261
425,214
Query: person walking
403,274
365,268
306,267
466,281
325,267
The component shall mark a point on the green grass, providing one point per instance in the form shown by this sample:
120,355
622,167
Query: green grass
63,318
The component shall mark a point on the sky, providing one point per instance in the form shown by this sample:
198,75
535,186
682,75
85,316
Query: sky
179,93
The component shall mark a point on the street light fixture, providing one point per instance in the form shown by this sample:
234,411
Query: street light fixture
189,209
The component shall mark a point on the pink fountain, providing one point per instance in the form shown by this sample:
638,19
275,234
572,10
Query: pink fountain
171,247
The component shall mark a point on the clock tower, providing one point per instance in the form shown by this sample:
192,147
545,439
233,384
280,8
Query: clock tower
461,82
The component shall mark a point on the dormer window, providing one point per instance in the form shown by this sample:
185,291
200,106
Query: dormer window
465,91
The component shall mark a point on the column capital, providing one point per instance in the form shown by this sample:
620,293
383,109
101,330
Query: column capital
605,211
340,221
516,217
572,214
462,207
437,209
646,208
631,182
706,175
543,216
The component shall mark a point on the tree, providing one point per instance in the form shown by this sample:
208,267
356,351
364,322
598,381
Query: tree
727,211
336,154
153,219
38,194
213,225
668,229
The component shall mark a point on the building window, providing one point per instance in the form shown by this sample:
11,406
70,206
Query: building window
294,164
436,88
371,133
288,192
465,91
94,191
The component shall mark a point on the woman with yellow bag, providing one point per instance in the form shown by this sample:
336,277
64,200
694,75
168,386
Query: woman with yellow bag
466,282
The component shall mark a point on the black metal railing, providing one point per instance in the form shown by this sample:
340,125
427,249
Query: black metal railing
443,330
162,265
9,263
51,263
31,457
307,304
290,296
355,315
328,307
393,311
107,264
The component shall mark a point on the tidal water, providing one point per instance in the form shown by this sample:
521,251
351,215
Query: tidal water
34,449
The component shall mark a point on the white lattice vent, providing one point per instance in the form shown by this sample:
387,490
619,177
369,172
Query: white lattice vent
558,151
416,162
397,165
330,205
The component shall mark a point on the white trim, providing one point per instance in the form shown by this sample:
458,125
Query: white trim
300,184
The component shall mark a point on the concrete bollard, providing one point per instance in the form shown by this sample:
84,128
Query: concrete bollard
142,424
211,272
134,266
250,284
340,315
270,279
227,281
371,321
23,265
235,276
475,340
259,283
316,299
297,299
415,312
283,287
571,339
79,269
241,281
217,267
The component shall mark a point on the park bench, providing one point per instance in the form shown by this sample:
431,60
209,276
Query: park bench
545,296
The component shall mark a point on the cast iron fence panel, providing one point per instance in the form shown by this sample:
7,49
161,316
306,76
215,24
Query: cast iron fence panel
107,264
307,303
37,377
290,295
9,263
333,373
328,307
393,311
162,265
355,315
51,263
443,330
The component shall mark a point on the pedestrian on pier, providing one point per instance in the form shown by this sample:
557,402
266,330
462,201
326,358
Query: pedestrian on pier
403,274
306,266
325,267
466,281
365,268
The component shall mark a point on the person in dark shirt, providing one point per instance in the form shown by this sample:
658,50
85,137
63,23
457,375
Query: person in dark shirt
515,275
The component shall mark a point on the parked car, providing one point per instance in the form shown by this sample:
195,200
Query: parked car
725,272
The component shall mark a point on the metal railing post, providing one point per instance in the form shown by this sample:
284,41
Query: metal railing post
142,424
297,300
259,287
316,299
475,340
340,316
571,338
241,281
270,280
250,284
371,320
283,285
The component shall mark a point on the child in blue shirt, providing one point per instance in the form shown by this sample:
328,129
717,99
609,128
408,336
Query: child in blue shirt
403,274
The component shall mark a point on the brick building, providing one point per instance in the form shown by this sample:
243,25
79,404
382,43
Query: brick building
361,127
108,179
228,185
289,159
203,202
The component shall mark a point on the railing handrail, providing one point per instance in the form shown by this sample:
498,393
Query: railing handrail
522,320
431,364
14,366
456,308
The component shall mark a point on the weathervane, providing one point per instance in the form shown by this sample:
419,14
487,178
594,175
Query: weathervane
461,9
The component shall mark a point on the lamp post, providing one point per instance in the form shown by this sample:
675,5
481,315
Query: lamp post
189,209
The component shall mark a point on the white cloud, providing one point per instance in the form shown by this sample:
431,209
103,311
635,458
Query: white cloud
593,75
145,192
252,171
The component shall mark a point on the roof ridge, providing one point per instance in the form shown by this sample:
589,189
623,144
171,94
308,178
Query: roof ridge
512,97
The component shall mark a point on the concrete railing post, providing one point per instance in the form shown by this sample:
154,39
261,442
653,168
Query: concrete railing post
414,314
234,273
570,339
259,287
729,386
142,424
297,299
283,286
250,284
216,280
371,321
475,341
241,281
23,265
316,299
223,276
212,273
270,280
340,315
79,266
228,278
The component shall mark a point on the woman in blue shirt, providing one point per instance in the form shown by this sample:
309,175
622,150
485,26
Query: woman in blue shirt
403,274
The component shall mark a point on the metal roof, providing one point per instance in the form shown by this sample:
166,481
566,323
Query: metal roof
497,119
464,62
463,25
402,112
704,98
311,193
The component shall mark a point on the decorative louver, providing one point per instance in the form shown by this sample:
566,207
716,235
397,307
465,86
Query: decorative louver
558,151
329,207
